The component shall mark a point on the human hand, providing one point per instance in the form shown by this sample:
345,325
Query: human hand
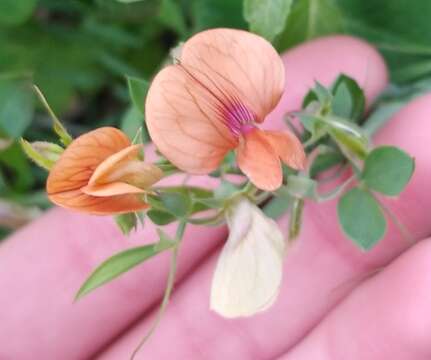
42,266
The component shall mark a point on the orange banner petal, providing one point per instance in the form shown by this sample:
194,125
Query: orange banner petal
258,160
75,167
240,63
287,147
185,122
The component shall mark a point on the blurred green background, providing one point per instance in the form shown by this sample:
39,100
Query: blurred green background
79,53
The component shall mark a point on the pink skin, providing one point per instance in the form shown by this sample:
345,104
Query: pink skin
385,317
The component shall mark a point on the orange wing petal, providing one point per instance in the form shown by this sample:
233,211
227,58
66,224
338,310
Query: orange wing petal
185,122
77,200
258,160
111,189
78,162
242,63
113,162
287,147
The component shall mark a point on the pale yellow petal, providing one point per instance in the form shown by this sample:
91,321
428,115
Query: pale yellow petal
249,270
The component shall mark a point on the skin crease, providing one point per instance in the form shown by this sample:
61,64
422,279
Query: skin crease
42,322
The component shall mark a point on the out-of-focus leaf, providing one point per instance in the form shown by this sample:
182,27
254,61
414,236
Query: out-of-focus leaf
128,1
131,122
19,174
172,16
400,28
221,13
267,17
16,106
309,19
138,89
15,12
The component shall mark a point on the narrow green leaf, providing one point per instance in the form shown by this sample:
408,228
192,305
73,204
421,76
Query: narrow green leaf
160,217
138,89
118,264
267,17
388,170
361,218
58,127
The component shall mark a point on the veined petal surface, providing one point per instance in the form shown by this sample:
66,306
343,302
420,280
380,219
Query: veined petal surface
259,161
288,148
185,122
243,63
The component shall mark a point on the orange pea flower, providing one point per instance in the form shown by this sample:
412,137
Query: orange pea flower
210,102
101,173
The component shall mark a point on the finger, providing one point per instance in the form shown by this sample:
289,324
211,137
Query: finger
387,317
188,325
43,265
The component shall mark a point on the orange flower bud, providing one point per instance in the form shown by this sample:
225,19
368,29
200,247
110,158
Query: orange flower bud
101,173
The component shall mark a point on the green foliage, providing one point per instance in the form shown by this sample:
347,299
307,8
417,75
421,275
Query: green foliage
160,217
267,17
349,98
138,89
15,12
172,16
400,28
120,263
388,170
43,154
78,53
361,218
16,106
127,222
309,19
208,14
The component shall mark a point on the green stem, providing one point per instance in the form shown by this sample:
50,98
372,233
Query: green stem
405,234
168,289
210,220
295,218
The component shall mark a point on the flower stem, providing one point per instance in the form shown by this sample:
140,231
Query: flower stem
168,290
